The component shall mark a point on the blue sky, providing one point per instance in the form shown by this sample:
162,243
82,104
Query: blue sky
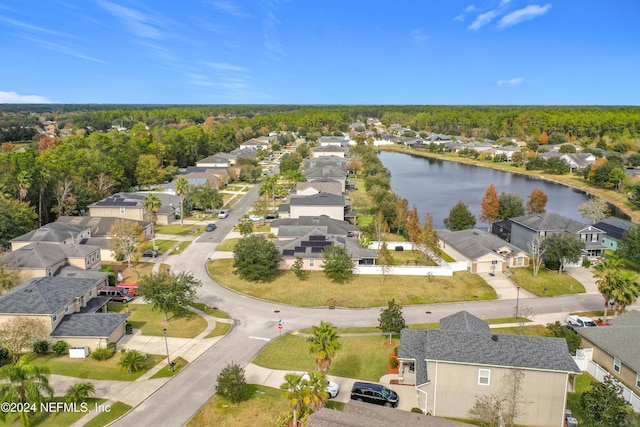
564,52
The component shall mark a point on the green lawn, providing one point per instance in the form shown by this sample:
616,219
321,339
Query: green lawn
227,245
163,246
584,383
409,258
185,324
167,372
116,410
554,283
529,330
181,247
175,229
363,357
220,329
55,419
361,291
262,409
93,369
213,312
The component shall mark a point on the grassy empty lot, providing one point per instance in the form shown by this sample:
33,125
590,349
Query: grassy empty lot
265,405
363,357
185,324
361,291
93,369
554,283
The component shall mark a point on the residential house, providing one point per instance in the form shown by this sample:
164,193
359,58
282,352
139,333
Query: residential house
197,175
326,161
507,150
131,206
311,246
438,139
353,127
215,161
40,259
373,121
615,228
361,414
291,228
54,232
336,141
483,252
254,144
318,186
454,365
616,348
101,231
332,205
328,150
69,307
327,172
525,228
574,160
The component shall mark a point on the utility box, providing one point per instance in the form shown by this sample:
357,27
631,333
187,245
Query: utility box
78,352
572,422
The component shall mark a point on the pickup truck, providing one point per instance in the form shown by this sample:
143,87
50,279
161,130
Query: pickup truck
573,320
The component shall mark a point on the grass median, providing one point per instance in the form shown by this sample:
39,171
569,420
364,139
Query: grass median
361,291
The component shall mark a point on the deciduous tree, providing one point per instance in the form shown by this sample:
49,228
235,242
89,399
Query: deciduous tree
537,247
338,265
401,214
232,383
537,202
391,320
560,331
385,259
510,205
256,258
564,248
18,335
127,240
168,292
298,269
429,239
595,210
460,218
413,226
604,405
490,205
629,246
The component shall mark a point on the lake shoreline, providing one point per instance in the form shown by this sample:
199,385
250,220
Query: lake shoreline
634,215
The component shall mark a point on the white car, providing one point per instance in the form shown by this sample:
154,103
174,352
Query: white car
332,389
223,214
255,218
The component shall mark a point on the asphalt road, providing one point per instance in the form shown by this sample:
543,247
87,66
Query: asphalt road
256,324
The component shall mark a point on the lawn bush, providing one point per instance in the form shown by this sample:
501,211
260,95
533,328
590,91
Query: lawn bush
102,354
41,347
417,410
59,347
112,346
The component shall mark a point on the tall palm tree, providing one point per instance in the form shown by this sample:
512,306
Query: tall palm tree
324,344
182,188
605,271
625,290
23,383
24,183
316,385
295,393
152,204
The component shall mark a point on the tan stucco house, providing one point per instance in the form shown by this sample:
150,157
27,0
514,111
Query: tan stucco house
452,366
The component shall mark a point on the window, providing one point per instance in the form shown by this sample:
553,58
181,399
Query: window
616,365
312,262
55,317
66,308
484,376
638,380
520,261
122,210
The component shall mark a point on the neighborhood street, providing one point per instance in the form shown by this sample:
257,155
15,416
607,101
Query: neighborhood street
180,398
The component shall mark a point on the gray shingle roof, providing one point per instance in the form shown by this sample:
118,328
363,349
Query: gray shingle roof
464,321
290,227
614,227
99,325
42,255
320,199
54,232
329,149
99,226
549,221
325,172
44,295
480,348
305,246
475,243
321,185
620,339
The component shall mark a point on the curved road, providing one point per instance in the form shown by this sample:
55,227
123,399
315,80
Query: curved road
180,398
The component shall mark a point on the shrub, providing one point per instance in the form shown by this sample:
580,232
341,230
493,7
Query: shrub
101,354
59,347
393,361
586,263
417,410
395,351
232,383
41,347
112,346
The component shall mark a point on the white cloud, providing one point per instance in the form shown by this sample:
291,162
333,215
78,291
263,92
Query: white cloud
482,20
524,14
138,23
225,66
28,27
504,2
467,9
15,98
512,82
229,8
418,35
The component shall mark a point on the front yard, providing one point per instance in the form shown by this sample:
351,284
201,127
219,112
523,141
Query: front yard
185,324
548,283
361,291
93,369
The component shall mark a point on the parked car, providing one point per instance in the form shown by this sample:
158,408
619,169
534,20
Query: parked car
577,321
150,253
374,393
116,294
210,227
332,388
255,218
223,214
273,215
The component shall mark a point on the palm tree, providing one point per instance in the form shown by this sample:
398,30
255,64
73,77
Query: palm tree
152,204
23,383
605,271
316,385
24,183
324,344
79,392
182,188
132,361
295,393
625,290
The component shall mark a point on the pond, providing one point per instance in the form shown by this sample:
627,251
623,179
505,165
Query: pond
435,186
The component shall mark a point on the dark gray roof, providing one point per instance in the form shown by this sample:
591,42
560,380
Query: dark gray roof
54,232
329,149
464,321
293,227
323,185
44,295
324,172
320,199
118,201
484,348
475,243
620,339
361,414
99,325
42,255
549,221
312,244
614,227
99,226
284,208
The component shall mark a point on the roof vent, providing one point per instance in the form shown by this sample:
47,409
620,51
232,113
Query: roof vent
494,337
